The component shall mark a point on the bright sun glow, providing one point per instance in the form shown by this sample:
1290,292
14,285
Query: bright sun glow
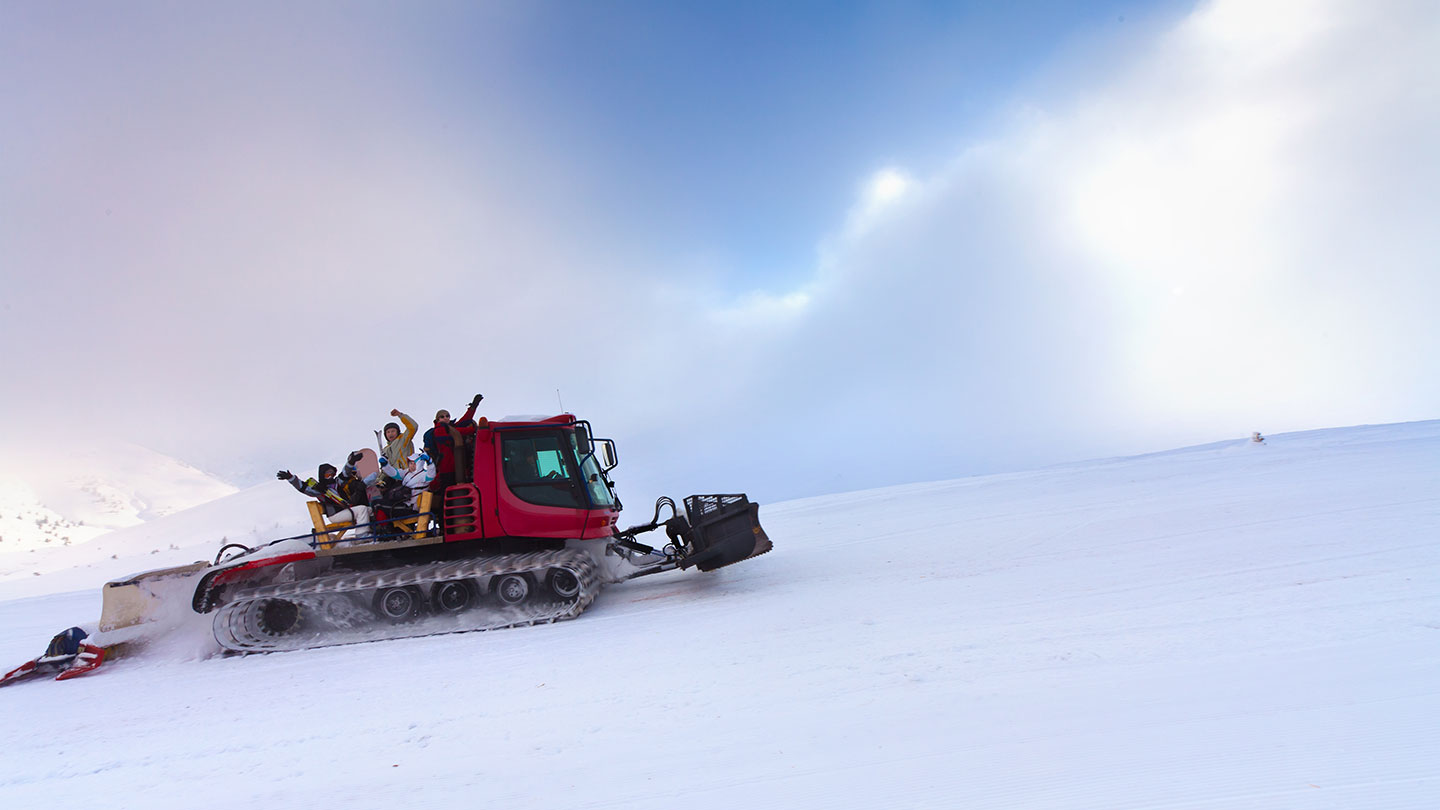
882,190
887,186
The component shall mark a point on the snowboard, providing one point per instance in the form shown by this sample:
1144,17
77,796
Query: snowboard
368,464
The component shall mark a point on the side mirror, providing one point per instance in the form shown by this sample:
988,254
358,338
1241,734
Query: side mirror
582,439
607,454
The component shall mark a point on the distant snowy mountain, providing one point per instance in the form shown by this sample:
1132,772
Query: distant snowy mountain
63,497
251,516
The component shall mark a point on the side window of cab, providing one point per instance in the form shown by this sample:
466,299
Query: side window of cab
538,471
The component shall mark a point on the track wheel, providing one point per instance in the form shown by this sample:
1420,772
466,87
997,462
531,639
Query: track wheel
276,617
398,604
453,596
563,583
344,611
511,589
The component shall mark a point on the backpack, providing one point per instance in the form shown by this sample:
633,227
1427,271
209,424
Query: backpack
352,489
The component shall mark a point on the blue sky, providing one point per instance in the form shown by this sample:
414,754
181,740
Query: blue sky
739,128
786,248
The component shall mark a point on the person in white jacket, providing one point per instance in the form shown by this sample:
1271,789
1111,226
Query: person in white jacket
411,481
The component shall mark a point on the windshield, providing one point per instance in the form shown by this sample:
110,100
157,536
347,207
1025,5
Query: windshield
540,467
600,494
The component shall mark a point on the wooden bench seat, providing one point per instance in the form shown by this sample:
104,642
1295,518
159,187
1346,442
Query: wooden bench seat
328,534
416,525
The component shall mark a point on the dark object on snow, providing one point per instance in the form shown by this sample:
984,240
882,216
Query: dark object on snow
725,529
66,643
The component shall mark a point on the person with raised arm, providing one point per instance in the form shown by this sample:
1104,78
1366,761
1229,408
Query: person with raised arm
342,496
397,447
445,444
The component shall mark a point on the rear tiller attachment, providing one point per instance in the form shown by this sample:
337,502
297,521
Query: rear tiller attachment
716,531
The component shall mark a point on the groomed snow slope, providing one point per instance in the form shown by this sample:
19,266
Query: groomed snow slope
1230,626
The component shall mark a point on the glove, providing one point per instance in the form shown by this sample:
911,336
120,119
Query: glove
476,400
354,457
284,475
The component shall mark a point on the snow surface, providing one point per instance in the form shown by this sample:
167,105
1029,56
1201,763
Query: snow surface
1228,626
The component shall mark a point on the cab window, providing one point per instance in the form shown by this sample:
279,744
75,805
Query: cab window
539,470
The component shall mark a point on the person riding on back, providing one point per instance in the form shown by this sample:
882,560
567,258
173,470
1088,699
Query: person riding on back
414,479
406,483
397,447
341,496
443,443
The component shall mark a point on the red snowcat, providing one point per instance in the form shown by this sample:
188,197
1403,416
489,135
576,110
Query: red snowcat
529,538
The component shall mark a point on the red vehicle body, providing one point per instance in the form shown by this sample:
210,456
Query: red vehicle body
566,496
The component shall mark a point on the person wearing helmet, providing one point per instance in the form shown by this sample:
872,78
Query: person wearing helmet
397,447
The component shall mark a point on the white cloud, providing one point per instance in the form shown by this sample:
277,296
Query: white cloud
1168,252
760,308
879,196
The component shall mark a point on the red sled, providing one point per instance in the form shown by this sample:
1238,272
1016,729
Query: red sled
59,657
88,659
